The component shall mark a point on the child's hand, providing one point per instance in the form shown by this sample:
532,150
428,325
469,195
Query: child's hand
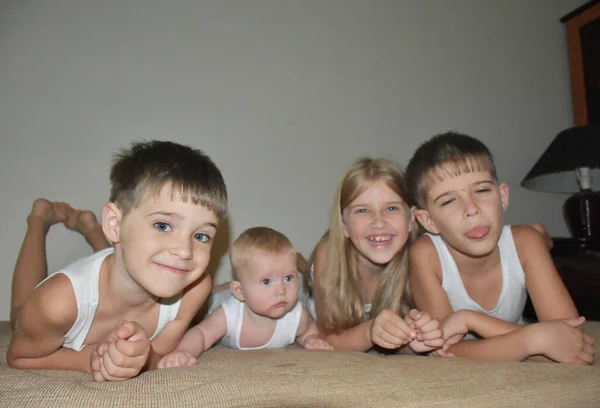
124,352
390,331
562,341
177,359
454,326
429,334
316,342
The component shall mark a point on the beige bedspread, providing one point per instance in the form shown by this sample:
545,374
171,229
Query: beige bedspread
294,377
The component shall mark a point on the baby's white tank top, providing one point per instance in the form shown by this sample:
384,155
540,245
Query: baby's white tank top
513,294
285,328
84,276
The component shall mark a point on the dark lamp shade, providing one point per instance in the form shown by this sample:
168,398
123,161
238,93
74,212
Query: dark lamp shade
571,149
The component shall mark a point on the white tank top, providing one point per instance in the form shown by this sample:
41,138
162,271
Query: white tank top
513,294
84,276
285,328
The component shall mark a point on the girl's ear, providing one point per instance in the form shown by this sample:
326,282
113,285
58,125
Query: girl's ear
425,220
111,222
236,289
504,190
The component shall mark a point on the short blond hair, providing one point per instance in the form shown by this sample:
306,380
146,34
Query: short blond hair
263,240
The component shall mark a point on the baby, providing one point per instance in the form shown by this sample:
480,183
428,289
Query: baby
262,310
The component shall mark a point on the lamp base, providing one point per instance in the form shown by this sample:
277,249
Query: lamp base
582,214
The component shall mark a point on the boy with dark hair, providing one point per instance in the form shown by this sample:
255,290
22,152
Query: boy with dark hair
471,263
118,311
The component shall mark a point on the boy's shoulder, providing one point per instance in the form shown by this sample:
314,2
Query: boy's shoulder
424,256
423,246
524,234
53,302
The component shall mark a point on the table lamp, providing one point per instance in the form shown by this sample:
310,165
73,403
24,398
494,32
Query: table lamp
571,164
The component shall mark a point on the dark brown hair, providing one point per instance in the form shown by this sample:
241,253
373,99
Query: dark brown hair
144,168
446,154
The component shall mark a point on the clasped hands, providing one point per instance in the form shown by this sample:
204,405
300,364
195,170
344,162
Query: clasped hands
122,355
418,329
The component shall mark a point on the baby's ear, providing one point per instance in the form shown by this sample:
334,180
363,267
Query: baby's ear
425,220
111,222
236,289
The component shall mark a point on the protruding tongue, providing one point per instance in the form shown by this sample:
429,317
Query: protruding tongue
477,232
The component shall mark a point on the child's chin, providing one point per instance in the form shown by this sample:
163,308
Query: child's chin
381,260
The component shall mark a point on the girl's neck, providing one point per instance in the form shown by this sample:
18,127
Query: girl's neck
368,270
370,277
121,291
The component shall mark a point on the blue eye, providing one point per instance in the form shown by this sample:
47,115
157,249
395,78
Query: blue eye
162,226
202,237
392,208
265,281
361,211
289,278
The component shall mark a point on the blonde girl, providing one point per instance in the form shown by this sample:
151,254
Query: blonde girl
360,266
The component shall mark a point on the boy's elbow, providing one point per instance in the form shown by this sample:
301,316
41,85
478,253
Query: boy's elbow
15,361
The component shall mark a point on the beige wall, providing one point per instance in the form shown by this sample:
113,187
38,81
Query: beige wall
282,94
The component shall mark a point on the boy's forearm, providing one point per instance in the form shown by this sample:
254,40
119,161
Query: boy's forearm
61,359
488,326
357,338
512,346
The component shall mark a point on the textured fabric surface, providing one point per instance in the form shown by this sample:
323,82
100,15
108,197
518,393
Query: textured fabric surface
293,377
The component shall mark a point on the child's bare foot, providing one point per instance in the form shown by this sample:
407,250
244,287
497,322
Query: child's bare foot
86,224
48,213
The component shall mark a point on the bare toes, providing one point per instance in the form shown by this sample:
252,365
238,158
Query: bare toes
49,212
87,221
71,220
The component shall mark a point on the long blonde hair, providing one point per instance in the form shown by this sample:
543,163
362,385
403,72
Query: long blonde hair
338,300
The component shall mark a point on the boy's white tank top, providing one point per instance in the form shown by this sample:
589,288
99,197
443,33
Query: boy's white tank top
513,294
84,276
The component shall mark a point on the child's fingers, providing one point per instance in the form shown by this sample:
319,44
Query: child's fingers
430,326
399,328
436,343
414,314
130,330
388,340
588,358
133,348
120,359
424,319
118,366
575,322
97,376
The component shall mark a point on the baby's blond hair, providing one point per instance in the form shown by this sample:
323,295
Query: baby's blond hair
257,241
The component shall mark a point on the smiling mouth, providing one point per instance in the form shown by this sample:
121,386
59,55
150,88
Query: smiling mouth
173,269
380,239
